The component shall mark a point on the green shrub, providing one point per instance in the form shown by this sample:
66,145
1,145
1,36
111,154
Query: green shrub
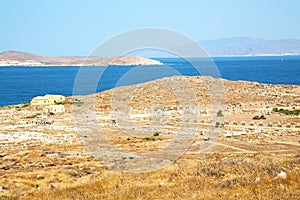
149,139
32,116
23,105
286,111
79,103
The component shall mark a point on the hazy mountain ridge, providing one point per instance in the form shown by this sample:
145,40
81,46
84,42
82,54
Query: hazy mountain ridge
234,46
243,46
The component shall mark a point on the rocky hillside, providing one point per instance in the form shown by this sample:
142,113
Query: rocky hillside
15,58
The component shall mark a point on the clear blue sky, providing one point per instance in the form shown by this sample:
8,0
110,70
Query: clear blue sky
76,27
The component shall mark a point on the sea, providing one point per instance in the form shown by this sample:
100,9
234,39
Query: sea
19,84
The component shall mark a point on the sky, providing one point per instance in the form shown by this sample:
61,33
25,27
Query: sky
77,27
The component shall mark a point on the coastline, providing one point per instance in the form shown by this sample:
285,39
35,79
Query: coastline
15,58
264,85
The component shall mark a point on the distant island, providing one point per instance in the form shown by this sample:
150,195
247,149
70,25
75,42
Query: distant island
245,46
236,46
16,58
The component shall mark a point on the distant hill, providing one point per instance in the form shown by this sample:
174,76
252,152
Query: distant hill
243,46
16,58
235,46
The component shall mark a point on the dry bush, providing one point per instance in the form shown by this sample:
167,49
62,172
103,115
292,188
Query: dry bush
243,176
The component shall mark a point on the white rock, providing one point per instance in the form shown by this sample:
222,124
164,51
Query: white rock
1,188
162,183
282,175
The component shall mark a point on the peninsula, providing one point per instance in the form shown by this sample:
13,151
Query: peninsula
16,58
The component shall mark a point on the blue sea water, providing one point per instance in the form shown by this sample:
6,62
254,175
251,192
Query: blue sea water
20,84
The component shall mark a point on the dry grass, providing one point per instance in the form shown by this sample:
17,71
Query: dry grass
215,176
243,167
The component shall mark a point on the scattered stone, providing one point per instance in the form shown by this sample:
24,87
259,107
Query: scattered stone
5,167
257,180
5,154
40,177
52,187
52,154
161,183
282,175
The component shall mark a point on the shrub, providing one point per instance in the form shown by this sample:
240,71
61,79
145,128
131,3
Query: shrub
24,105
259,117
220,113
286,111
262,117
149,139
256,117
79,103
156,134
62,102
32,116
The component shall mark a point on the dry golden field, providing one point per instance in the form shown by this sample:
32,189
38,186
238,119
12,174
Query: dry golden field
252,159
